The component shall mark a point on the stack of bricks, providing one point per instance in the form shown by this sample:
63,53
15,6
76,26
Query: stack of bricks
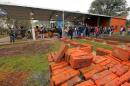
77,66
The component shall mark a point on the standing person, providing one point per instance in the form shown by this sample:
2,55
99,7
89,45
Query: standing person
129,30
97,31
80,30
70,32
37,31
60,31
121,30
66,32
42,32
12,35
86,31
22,32
109,31
75,31
112,29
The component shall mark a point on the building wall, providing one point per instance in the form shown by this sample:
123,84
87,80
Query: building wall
117,23
104,22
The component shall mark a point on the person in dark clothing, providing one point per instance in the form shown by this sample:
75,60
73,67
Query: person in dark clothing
71,32
12,35
22,32
88,29
60,32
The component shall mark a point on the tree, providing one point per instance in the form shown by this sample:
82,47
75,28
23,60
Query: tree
109,7
128,23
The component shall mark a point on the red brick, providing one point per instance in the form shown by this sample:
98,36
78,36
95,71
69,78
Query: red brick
125,77
80,61
74,44
53,55
72,81
113,59
126,63
87,49
113,42
126,84
102,52
105,80
69,52
50,59
96,69
119,69
87,69
101,74
87,45
120,53
106,62
57,71
64,76
98,59
58,65
86,83
61,53
110,65
115,82
99,40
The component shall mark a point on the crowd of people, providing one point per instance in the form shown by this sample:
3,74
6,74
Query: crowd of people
85,30
71,31
21,32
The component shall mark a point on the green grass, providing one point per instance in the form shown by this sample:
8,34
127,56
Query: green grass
95,44
35,63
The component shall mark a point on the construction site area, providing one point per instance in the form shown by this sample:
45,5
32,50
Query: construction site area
51,47
81,64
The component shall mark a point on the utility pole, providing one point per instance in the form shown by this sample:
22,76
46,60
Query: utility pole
63,20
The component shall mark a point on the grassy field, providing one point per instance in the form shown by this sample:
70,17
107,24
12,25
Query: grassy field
28,57
95,44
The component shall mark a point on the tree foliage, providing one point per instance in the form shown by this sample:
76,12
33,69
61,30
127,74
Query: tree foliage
128,23
109,7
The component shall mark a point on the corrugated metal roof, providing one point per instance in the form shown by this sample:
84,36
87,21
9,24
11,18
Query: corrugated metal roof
76,12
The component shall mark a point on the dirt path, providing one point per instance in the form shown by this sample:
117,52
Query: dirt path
26,48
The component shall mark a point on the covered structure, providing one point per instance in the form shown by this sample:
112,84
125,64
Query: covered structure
31,13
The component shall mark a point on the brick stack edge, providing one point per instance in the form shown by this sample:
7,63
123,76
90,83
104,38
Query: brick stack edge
77,66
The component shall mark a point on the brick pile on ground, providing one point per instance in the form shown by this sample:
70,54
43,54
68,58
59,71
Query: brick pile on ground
77,66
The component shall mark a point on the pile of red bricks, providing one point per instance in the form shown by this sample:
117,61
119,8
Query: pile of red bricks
78,66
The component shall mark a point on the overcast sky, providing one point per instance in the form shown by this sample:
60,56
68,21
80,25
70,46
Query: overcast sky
70,5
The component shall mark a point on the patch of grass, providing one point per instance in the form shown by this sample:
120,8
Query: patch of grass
36,63
95,44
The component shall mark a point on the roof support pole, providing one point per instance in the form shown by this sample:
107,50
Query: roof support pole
63,20
98,21
33,32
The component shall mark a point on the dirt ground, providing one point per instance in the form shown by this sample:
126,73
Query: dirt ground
25,64
26,48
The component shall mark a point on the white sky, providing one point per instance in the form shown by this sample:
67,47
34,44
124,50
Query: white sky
70,5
